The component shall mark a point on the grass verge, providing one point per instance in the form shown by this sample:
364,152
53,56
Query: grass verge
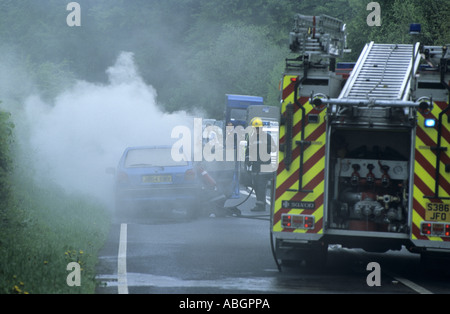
42,230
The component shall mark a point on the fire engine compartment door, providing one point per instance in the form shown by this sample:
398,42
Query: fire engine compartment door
431,190
299,194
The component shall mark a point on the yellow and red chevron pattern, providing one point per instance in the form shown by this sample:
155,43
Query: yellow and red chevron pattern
424,171
313,164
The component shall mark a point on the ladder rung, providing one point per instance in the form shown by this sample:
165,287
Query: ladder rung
382,73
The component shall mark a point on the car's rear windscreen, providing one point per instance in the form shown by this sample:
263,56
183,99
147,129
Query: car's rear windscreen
151,157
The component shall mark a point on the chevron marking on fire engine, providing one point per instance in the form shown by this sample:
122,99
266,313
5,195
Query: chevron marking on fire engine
289,90
425,167
313,165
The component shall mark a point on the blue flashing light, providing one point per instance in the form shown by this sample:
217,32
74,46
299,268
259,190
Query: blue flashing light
430,123
415,29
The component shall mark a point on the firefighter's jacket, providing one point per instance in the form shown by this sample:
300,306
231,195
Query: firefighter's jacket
259,147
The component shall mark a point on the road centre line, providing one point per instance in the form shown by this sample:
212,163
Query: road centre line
122,261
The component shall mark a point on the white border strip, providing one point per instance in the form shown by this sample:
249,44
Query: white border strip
122,261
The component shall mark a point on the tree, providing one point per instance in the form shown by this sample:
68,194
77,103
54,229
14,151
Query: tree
192,49
238,61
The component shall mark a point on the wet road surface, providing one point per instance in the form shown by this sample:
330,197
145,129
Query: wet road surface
170,254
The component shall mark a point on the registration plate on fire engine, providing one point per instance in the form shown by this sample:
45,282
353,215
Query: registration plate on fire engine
437,212
156,179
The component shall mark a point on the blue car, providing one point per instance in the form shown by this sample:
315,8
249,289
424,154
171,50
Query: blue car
148,177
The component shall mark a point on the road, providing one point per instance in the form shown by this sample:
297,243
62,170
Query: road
168,253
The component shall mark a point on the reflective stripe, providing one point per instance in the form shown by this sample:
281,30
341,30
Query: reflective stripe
313,164
425,168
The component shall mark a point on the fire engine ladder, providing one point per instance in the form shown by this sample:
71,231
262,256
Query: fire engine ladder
383,72
316,38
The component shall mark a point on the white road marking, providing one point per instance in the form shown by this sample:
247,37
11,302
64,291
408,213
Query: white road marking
410,284
122,261
404,281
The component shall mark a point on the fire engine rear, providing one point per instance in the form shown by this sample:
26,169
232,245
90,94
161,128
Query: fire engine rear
364,159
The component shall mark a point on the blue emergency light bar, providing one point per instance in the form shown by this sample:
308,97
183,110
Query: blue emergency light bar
415,29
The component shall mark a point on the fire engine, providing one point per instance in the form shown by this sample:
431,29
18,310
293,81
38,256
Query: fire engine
364,158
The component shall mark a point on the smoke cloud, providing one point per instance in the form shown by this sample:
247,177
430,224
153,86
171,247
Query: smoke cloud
88,126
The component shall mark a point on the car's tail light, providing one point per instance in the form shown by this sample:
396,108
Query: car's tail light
189,175
122,177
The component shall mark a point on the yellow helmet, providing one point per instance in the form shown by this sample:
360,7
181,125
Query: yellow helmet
257,122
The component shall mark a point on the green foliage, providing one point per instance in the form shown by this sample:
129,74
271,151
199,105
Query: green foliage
46,229
51,79
396,16
42,228
239,53
192,51
6,129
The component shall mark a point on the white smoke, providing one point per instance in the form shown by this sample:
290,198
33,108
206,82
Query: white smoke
88,127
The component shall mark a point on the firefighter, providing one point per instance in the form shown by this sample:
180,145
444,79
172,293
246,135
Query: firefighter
261,144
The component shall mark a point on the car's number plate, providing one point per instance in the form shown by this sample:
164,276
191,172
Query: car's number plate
157,179
438,212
